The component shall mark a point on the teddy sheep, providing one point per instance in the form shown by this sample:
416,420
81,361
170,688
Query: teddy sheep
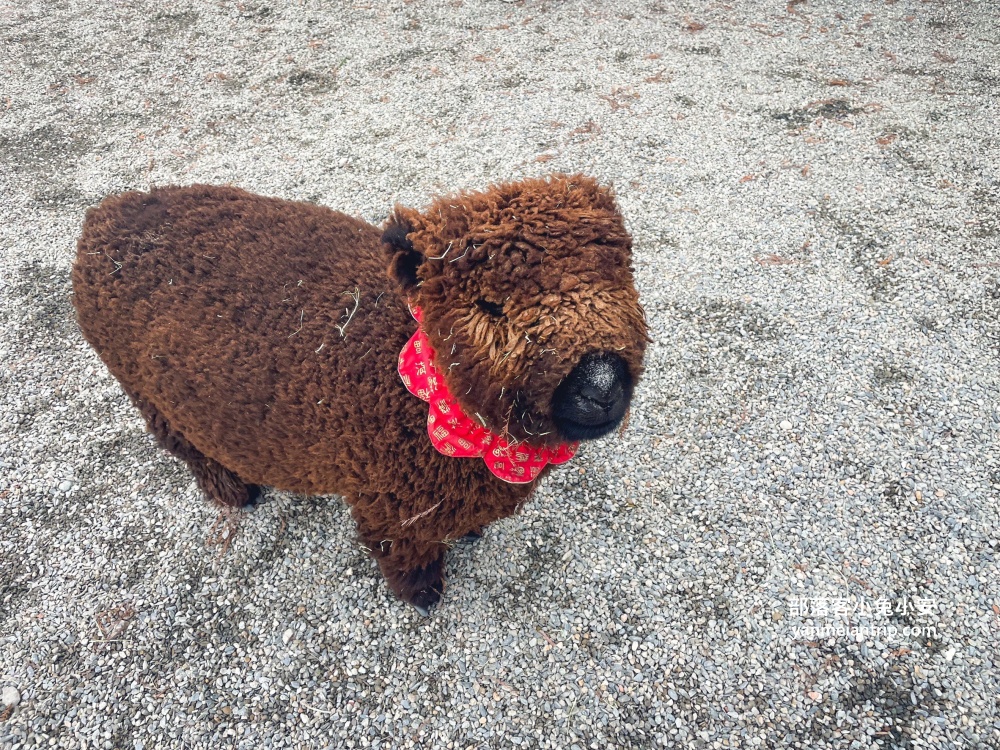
430,372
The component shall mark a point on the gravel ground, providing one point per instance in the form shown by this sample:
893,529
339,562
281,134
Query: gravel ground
795,544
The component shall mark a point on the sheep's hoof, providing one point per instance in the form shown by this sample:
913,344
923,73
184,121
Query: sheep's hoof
473,536
423,600
254,496
423,588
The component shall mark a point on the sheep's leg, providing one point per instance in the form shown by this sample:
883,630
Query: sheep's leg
415,573
222,485
413,567
215,480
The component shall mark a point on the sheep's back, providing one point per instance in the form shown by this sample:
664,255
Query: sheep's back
265,331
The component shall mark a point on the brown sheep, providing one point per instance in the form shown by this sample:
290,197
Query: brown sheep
260,339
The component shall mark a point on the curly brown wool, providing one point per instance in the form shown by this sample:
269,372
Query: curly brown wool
259,338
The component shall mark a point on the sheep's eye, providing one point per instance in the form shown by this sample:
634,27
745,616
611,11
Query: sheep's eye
491,308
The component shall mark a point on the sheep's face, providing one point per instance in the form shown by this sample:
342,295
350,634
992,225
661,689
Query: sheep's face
527,298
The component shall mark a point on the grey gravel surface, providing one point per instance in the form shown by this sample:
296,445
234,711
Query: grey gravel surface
813,192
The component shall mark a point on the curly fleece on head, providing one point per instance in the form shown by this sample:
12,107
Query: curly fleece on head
553,258
259,338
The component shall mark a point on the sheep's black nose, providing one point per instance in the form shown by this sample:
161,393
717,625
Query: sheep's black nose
593,398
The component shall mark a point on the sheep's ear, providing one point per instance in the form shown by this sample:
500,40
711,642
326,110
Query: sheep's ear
404,259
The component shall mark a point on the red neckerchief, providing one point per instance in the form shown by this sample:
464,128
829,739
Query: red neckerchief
454,433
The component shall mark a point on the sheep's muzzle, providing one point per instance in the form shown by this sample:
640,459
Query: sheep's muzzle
592,400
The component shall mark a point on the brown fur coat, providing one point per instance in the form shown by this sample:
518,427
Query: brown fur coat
259,338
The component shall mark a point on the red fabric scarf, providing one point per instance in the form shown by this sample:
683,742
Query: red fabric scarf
456,434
